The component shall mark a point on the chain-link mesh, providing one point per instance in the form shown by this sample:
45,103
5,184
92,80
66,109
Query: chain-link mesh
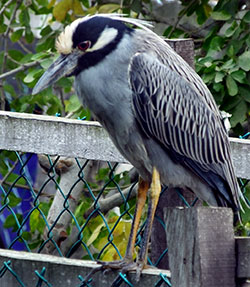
69,207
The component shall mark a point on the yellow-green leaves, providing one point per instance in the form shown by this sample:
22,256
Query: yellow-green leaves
109,8
221,15
62,8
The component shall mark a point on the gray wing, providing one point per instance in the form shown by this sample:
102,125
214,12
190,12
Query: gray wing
171,111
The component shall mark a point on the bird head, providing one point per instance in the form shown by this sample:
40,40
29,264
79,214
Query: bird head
84,43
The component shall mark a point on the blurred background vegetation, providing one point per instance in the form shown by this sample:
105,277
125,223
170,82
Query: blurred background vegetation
220,29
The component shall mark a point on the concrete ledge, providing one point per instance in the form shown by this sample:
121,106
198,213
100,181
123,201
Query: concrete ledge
63,272
83,139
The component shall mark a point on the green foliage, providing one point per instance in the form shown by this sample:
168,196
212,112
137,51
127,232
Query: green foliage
37,224
223,60
13,222
226,64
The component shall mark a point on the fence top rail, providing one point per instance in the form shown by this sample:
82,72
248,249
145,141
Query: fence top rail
83,139
64,271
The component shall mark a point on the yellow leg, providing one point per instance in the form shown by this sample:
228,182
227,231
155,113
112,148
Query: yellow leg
142,191
153,201
127,263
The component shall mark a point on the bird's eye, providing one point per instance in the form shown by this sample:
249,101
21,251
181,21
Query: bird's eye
83,46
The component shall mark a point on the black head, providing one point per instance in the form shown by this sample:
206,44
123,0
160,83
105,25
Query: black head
86,42
95,37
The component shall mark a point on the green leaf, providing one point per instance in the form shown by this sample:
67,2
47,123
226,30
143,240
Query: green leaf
13,200
109,8
95,233
218,87
216,44
167,31
13,177
219,77
246,17
229,6
220,15
35,244
24,18
3,28
239,114
245,93
27,58
208,77
26,235
45,44
230,31
36,222
248,40
15,55
12,222
9,89
61,9
45,31
29,35
85,3
244,61
64,83
15,36
203,12
31,76
239,76
230,51
228,65
231,86
46,63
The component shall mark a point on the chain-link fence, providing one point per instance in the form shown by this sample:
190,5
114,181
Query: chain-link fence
69,207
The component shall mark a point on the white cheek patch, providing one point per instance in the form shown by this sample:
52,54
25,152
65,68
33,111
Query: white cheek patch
107,36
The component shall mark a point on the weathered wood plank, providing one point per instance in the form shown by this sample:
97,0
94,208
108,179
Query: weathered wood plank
83,139
243,257
241,156
63,272
201,246
56,136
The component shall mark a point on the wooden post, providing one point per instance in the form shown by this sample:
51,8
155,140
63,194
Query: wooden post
243,261
169,198
201,246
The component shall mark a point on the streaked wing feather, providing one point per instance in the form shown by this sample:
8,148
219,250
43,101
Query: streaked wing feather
170,110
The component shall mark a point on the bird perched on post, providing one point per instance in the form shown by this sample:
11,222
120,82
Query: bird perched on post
156,109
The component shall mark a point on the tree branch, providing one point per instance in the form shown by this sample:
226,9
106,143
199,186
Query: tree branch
5,6
112,201
24,47
5,45
21,68
9,172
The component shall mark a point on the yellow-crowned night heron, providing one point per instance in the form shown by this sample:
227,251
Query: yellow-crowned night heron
156,109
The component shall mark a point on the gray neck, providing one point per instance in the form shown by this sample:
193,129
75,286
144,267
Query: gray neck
104,88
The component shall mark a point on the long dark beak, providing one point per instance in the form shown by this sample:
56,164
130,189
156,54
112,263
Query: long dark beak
63,66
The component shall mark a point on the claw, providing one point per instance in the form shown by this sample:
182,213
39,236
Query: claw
138,271
125,265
